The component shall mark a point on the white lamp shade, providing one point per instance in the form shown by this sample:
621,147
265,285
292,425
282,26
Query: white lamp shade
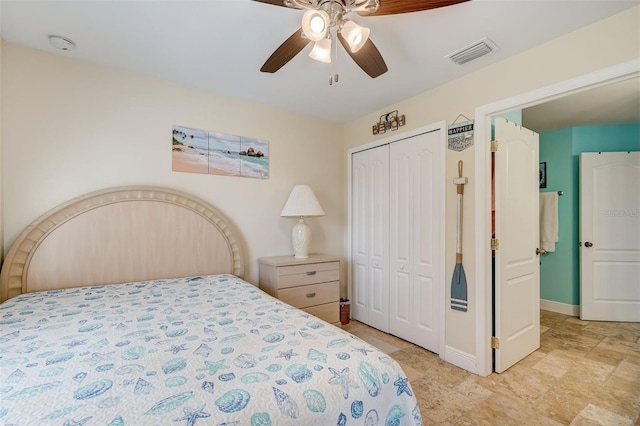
302,202
321,51
315,24
355,35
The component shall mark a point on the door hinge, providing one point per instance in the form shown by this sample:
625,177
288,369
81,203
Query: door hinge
495,342
494,146
495,244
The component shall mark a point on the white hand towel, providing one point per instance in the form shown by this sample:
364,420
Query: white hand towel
548,221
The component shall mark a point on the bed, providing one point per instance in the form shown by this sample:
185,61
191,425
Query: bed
127,307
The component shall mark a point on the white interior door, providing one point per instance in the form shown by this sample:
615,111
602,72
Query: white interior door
517,272
416,232
370,237
610,236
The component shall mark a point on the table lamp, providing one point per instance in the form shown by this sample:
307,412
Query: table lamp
301,203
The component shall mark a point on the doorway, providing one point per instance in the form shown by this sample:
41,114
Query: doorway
484,114
606,283
515,246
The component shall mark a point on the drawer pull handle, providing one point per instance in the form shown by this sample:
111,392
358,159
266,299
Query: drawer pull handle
310,295
311,273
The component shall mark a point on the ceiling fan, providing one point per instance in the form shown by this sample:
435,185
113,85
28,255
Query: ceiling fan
322,16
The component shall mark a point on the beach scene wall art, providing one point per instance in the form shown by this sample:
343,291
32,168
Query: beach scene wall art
216,153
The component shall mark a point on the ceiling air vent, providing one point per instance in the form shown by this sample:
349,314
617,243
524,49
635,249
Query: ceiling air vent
473,51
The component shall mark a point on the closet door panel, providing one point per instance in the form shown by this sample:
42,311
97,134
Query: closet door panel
425,212
359,294
379,306
378,211
401,298
370,236
378,234
416,182
401,215
359,232
425,312
426,228
360,201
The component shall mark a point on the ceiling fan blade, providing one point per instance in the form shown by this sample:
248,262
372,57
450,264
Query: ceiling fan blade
368,58
286,52
392,7
273,2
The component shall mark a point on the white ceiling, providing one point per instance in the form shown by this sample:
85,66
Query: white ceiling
615,103
220,45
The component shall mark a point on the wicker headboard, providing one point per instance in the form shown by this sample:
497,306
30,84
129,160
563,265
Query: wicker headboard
122,234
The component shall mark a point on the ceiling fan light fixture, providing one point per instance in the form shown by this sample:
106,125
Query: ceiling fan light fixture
315,24
355,35
321,51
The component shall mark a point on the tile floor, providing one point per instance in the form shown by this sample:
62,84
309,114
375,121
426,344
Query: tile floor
585,373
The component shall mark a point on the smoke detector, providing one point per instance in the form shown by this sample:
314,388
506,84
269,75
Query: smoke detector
61,43
472,51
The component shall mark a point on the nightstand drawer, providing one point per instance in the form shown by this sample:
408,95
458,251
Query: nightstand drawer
291,276
310,295
329,312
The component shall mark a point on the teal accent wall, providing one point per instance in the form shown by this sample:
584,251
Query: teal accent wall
625,137
560,270
514,116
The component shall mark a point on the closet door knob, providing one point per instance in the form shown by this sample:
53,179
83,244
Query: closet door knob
588,244
541,251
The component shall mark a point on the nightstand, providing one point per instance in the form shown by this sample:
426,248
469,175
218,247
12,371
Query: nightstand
311,284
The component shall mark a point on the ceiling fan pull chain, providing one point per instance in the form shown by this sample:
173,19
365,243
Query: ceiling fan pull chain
334,77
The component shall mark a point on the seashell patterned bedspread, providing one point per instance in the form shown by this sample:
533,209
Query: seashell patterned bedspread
210,350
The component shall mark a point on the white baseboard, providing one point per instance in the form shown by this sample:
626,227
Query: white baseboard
561,308
460,359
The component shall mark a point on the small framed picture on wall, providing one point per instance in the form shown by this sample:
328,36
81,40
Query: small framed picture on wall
543,175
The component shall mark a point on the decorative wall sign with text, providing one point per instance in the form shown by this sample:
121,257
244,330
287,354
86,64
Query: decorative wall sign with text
215,153
389,121
460,135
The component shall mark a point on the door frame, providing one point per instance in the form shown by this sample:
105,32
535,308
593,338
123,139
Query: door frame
483,116
437,126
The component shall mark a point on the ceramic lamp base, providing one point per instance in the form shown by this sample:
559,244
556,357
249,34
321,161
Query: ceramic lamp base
301,239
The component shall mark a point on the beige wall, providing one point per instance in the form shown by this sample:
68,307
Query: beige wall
70,127
603,44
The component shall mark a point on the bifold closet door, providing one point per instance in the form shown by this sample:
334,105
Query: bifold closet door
415,234
370,237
